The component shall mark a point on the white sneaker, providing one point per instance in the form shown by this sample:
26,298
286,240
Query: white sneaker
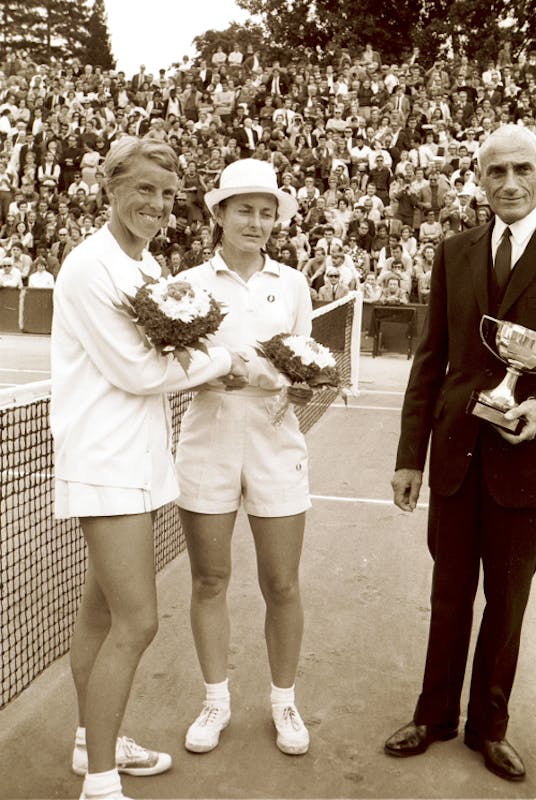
204,733
131,758
292,735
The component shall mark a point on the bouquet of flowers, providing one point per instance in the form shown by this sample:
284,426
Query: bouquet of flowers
173,316
306,364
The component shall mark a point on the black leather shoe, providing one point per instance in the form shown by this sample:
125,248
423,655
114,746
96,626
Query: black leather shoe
499,757
412,739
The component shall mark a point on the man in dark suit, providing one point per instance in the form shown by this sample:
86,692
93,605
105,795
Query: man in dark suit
247,138
482,478
63,246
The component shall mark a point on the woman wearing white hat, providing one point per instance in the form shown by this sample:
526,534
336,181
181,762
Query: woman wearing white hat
229,452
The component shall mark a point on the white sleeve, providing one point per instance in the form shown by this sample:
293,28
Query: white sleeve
84,299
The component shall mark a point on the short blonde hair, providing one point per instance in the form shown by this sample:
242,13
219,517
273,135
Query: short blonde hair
119,157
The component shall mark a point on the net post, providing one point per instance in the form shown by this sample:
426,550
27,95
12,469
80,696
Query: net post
355,343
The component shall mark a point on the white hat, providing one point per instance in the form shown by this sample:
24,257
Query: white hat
251,176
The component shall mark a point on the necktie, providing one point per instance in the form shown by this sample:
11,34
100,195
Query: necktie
503,259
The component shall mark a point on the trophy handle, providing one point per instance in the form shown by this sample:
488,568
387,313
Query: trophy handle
482,336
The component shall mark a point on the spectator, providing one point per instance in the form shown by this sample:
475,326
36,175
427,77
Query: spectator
395,265
193,257
329,240
315,269
334,288
344,263
40,278
408,241
392,293
423,271
20,260
10,276
387,252
60,249
430,230
371,289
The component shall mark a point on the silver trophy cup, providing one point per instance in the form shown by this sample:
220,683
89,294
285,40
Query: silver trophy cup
516,347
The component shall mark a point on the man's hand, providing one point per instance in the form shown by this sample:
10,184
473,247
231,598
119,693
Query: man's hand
406,485
526,409
237,377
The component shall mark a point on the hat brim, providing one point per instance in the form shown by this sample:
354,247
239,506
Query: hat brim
287,206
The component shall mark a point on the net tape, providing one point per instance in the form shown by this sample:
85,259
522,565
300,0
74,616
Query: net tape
43,560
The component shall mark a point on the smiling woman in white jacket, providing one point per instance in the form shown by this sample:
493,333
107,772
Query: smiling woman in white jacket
110,422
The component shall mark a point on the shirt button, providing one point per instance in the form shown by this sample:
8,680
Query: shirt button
298,467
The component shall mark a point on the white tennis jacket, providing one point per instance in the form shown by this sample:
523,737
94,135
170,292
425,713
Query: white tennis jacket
109,404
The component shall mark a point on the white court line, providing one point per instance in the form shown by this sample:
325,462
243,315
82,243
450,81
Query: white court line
381,391
330,498
367,408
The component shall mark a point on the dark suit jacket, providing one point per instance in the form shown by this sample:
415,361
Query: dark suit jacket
451,362
54,250
243,141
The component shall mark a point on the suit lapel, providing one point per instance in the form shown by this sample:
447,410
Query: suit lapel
523,273
479,262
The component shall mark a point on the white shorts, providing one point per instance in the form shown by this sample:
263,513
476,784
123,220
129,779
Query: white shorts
229,451
86,500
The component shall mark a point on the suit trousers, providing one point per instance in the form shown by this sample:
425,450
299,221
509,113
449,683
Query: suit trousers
465,530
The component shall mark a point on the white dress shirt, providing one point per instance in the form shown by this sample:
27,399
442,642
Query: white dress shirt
521,231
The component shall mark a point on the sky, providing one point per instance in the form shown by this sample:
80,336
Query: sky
159,32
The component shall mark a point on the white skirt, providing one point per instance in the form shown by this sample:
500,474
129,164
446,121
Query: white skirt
86,500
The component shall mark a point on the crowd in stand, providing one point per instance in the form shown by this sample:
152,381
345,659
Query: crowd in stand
381,157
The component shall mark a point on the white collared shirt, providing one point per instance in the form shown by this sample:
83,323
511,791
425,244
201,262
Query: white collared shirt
521,231
274,300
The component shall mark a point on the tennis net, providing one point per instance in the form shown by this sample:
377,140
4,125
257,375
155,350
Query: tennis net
42,559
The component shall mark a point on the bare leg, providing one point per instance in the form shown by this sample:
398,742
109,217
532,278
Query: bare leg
121,557
90,630
278,542
208,537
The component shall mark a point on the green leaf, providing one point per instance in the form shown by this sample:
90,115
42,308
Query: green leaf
184,358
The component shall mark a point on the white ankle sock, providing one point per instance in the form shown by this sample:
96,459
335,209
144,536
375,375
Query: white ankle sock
80,736
102,784
218,693
282,697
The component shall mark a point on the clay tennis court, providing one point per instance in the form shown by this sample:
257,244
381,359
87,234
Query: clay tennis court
365,575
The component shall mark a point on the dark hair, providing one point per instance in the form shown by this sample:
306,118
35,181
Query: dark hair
217,235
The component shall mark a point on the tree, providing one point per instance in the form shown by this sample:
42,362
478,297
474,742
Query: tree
66,22
18,23
49,29
477,28
332,25
98,47
474,27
